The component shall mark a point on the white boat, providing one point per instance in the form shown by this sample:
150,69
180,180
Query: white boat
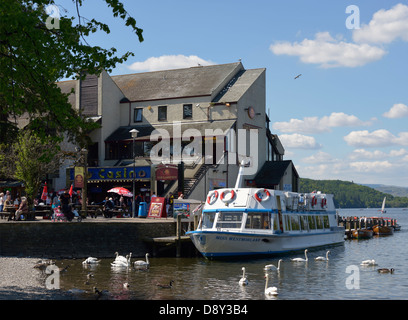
383,206
257,221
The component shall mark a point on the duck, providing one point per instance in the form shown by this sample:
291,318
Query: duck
270,291
385,270
368,263
90,260
300,259
323,258
243,281
165,286
271,267
141,264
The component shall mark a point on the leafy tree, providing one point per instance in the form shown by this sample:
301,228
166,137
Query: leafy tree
29,159
35,54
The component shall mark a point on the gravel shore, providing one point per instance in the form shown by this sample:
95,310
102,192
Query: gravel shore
19,280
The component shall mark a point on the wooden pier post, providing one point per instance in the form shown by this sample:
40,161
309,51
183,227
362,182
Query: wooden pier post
178,235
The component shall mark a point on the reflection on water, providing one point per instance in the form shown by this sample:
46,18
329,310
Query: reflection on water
197,278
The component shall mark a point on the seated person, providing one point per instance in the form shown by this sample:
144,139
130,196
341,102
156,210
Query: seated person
22,210
107,207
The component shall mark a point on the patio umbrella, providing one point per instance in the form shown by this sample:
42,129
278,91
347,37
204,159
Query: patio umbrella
121,191
70,191
44,193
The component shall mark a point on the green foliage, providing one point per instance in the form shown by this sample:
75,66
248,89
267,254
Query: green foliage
33,57
352,195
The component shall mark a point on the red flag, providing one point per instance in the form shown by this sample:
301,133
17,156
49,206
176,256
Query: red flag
70,191
44,193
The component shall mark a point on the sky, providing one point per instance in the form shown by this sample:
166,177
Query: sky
344,118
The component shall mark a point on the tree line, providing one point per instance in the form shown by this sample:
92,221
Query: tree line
352,195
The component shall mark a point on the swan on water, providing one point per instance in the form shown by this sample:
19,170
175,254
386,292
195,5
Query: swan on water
323,258
243,281
300,259
121,263
120,258
368,263
271,291
141,264
91,260
271,267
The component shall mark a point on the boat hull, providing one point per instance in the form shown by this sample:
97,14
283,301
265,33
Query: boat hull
383,230
218,244
362,234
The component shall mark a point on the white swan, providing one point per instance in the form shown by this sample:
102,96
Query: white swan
271,267
323,258
300,259
120,258
271,291
91,260
370,262
122,263
243,281
141,264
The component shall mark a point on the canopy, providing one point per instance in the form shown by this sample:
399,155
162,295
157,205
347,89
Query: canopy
121,191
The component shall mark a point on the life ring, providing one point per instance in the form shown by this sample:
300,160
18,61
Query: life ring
212,198
222,196
260,199
324,202
314,201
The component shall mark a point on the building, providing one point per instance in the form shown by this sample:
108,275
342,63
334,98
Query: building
199,123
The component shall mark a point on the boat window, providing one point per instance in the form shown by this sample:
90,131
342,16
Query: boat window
287,223
208,220
294,222
259,220
319,222
275,222
304,223
326,222
229,220
312,223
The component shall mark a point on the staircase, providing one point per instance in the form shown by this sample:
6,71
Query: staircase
191,183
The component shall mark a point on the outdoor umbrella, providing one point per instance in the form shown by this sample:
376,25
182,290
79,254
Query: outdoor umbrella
121,191
44,193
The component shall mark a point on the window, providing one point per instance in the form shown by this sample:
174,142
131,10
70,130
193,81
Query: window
312,223
208,220
162,113
304,223
138,115
294,222
229,220
187,111
326,222
258,220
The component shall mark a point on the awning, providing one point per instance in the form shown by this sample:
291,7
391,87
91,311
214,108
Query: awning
174,130
271,173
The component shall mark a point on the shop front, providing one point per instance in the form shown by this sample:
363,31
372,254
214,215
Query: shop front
102,179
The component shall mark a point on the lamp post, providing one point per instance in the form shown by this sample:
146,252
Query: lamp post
134,133
85,187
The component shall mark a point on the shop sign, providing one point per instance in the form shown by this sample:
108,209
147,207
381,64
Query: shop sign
166,173
114,173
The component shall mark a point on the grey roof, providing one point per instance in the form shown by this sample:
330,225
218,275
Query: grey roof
178,83
66,87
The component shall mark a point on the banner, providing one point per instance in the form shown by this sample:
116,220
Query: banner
79,177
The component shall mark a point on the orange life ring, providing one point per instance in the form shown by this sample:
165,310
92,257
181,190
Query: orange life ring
212,197
257,197
314,201
324,202
222,196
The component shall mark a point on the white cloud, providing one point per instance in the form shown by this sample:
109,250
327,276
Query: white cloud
328,52
378,138
385,26
167,62
315,125
373,166
359,154
398,110
298,141
319,157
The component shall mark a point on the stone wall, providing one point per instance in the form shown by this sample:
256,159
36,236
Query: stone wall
79,240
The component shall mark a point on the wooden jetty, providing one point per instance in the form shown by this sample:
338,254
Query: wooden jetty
355,227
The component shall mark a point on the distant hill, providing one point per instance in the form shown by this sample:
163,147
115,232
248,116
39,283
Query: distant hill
394,190
352,195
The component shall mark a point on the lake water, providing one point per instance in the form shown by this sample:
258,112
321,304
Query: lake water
341,277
